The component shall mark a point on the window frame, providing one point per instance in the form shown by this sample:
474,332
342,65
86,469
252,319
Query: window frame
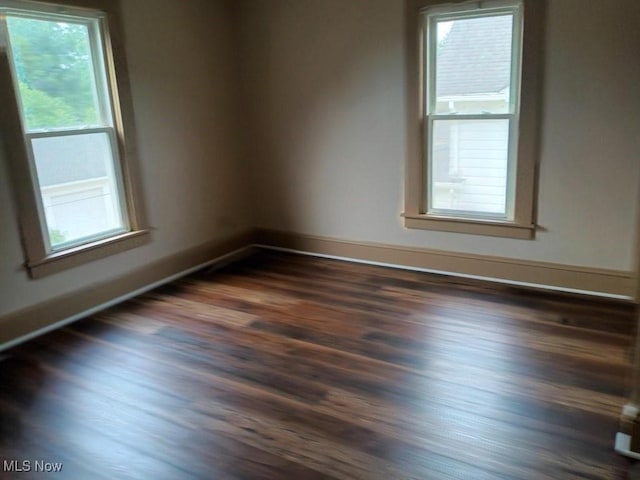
520,221
41,259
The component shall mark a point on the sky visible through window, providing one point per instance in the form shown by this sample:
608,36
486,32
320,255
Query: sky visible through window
443,30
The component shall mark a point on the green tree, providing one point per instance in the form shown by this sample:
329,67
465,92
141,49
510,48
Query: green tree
53,65
56,236
42,110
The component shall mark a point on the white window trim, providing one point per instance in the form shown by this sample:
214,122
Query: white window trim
522,218
40,259
430,17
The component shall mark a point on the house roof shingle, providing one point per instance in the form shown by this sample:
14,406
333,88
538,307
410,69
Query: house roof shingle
69,159
475,57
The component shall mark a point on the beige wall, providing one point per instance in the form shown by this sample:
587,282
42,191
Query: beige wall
321,133
325,89
180,60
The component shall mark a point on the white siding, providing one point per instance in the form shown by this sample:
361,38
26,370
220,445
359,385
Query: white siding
478,158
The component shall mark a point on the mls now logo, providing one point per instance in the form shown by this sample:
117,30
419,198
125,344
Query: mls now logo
28,466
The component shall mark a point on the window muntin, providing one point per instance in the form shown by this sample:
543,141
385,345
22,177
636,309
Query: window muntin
60,76
471,91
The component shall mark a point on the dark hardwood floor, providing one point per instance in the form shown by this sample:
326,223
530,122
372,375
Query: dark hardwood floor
291,367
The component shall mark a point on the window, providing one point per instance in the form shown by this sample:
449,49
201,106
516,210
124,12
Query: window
58,67
478,72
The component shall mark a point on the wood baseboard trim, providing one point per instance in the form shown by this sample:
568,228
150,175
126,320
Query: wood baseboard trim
23,325
549,276
20,326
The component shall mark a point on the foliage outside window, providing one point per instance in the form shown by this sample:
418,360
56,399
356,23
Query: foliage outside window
60,66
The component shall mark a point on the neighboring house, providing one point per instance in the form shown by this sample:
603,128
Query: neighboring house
473,76
76,185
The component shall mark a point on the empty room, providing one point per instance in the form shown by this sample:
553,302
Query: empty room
319,239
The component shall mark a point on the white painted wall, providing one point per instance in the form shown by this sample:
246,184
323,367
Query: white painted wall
325,112
181,69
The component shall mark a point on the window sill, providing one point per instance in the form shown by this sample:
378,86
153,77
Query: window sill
72,257
495,228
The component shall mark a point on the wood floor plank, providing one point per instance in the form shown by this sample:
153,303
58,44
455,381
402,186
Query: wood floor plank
286,366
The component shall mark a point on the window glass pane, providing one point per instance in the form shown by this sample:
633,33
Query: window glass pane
78,186
473,65
469,166
54,66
